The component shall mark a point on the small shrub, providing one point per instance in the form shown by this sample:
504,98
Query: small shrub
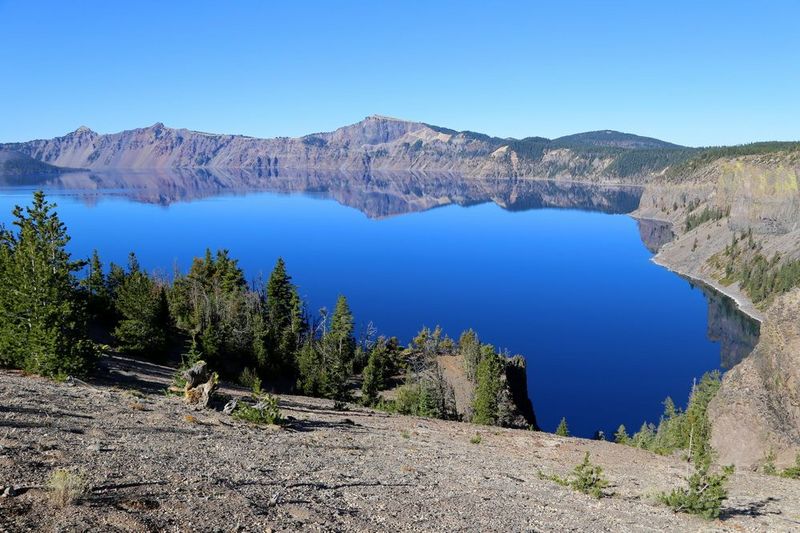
191,419
405,434
621,435
66,487
264,412
769,463
793,472
249,378
704,495
588,478
137,406
476,439
585,477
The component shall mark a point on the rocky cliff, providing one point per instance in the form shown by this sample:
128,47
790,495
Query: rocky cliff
757,409
375,143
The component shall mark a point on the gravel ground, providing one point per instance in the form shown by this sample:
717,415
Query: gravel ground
154,464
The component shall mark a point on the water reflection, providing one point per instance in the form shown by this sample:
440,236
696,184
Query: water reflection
377,195
654,233
736,332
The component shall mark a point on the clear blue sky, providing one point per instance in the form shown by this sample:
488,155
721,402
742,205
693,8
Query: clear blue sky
695,72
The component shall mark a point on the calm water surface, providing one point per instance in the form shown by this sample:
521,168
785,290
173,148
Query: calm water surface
607,333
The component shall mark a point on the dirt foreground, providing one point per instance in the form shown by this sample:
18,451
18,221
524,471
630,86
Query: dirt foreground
154,464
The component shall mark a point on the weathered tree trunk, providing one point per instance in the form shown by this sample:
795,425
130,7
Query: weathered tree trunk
196,375
199,385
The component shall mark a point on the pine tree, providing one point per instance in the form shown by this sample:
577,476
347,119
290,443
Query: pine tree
42,320
142,306
313,378
374,376
621,435
285,320
340,345
469,347
562,429
99,302
485,405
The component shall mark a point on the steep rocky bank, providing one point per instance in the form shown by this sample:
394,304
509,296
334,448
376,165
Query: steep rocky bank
153,464
757,409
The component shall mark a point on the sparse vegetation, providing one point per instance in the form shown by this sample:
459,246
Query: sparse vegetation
793,472
562,430
768,466
586,477
476,439
265,411
703,156
761,277
680,430
66,487
705,494
708,214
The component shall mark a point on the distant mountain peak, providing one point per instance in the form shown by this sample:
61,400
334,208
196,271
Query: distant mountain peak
84,129
385,117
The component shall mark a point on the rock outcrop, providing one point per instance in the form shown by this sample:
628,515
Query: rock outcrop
757,410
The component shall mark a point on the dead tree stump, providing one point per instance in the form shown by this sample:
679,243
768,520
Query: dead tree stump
200,385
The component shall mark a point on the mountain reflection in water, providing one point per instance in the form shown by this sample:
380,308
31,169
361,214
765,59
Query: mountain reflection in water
377,195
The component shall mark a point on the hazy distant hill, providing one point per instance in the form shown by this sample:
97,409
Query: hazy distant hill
613,139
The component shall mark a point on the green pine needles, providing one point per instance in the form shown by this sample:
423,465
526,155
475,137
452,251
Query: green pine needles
688,430
586,477
562,430
705,493
43,322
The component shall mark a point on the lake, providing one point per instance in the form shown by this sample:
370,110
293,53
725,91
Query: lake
557,272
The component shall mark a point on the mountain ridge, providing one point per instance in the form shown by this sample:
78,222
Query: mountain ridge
374,143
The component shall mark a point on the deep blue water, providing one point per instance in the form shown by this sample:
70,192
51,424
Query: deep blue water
607,333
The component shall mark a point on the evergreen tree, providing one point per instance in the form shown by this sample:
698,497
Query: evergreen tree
469,347
285,320
42,319
375,373
96,286
562,429
621,435
213,305
485,405
313,378
339,345
644,437
144,314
